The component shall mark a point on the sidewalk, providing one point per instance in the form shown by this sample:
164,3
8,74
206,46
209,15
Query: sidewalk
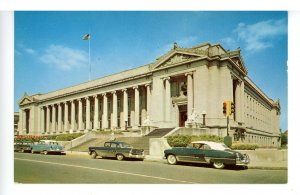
279,165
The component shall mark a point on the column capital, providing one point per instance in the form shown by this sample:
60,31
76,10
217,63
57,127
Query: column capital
188,74
166,78
135,87
113,92
104,94
95,96
124,90
148,84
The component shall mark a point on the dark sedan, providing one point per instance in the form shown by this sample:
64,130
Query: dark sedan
116,149
217,154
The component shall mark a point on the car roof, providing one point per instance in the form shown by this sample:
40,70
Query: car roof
214,145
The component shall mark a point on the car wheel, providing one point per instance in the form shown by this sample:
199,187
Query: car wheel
22,150
32,151
218,165
94,155
172,159
120,156
45,152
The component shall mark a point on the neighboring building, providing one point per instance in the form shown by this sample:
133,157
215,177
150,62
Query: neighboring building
16,121
178,86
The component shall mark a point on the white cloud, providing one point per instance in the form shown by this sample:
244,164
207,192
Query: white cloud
29,51
64,58
260,35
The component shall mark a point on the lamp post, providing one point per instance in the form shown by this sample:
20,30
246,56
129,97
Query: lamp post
203,114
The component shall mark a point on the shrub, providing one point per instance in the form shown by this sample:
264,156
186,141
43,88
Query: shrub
179,140
36,138
212,138
184,140
242,146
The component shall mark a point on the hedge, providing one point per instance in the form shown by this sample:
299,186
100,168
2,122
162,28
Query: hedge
242,146
184,140
36,138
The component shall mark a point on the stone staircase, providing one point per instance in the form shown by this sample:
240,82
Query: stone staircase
160,132
136,142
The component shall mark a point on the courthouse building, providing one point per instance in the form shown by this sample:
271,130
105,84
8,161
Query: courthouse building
185,84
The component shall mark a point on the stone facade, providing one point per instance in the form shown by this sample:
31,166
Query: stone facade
184,84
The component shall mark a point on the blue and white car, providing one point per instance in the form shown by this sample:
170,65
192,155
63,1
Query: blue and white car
47,147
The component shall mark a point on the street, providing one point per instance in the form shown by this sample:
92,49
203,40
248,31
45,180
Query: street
61,169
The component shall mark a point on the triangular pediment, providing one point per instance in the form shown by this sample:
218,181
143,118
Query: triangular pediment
25,100
175,57
240,63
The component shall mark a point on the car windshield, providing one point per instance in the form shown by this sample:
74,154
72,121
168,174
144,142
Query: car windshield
125,145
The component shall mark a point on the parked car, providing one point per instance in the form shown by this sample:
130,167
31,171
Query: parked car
217,154
116,149
47,147
22,146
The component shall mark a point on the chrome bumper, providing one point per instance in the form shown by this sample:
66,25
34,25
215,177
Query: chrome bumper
244,161
141,156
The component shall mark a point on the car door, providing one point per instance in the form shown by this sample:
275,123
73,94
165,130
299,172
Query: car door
104,151
113,149
197,154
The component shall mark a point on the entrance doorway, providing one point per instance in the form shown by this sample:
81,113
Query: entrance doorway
182,115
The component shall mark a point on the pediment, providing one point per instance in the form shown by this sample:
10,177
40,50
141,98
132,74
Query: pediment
25,100
175,57
239,62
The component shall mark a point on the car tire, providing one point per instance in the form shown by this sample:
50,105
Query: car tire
218,165
93,155
45,152
22,151
32,151
120,156
172,160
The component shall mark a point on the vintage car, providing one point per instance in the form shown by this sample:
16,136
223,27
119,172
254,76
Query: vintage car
217,154
22,146
47,147
116,149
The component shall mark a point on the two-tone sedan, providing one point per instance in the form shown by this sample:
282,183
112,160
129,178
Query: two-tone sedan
217,154
116,149
47,147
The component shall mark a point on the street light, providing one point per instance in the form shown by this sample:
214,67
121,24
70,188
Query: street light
203,114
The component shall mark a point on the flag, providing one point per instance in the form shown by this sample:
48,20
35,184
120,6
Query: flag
86,37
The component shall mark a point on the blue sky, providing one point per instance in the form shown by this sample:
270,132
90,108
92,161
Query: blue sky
50,53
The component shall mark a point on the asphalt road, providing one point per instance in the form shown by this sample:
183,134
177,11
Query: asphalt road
60,169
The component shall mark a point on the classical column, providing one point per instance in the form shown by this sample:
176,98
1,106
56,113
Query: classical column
48,119
125,107
167,98
80,114
59,106
53,118
105,114
73,120
238,103
88,113
42,115
96,113
115,109
190,93
66,127
136,106
148,86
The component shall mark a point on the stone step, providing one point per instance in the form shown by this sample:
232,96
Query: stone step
160,132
